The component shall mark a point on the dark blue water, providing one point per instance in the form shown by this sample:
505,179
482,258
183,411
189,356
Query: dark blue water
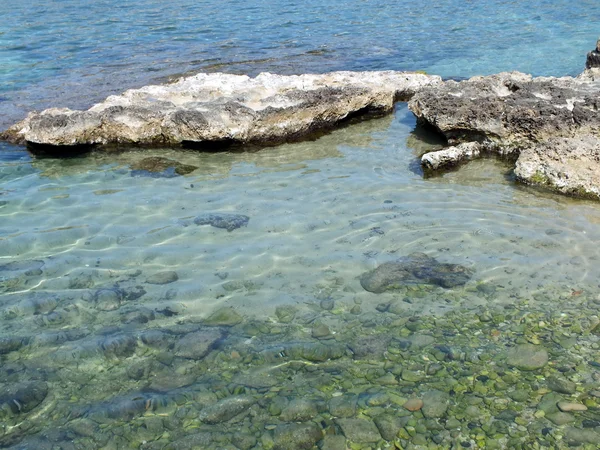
75,52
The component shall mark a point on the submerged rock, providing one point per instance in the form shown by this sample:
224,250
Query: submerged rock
416,268
527,357
221,108
296,436
197,345
229,222
166,277
548,125
21,398
158,167
226,409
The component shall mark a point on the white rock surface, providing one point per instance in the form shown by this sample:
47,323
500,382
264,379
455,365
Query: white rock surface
222,108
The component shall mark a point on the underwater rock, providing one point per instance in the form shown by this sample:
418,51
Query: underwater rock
359,430
11,343
159,167
527,357
299,410
435,404
416,268
165,277
548,125
296,436
220,108
31,266
229,222
223,317
108,299
198,344
226,409
21,398
343,406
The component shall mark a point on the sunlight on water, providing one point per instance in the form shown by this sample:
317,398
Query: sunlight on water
321,294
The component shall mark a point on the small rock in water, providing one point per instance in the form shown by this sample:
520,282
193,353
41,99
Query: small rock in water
299,410
21,398
321,331
359,430
297,436
413,404
435,404
229,222
416,268
327,304
561,385
226,409
223,317
582,436
163,277
286,313
158,167
569,406
343,406
198,344
527,357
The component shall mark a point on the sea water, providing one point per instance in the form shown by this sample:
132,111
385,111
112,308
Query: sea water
124,324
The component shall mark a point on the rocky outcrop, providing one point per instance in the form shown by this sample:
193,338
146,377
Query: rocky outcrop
222,108
593,57
550,126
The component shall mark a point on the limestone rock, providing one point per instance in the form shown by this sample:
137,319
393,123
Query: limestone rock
219,107
547,125
569,165
451,156
416,268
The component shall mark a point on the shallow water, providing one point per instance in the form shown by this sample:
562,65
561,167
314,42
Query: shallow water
126,324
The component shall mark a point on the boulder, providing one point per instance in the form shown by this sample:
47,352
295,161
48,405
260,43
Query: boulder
549,126
221,108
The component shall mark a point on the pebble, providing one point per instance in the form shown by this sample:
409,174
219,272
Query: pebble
414,404
568,406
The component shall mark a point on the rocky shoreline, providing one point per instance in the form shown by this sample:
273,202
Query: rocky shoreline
548,126
209,109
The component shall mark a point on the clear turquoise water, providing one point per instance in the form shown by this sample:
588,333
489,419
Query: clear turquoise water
81,238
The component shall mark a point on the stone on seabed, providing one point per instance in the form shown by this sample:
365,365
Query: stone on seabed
222,108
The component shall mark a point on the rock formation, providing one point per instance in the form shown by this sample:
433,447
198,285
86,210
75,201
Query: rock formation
222,108
593,57
550,126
